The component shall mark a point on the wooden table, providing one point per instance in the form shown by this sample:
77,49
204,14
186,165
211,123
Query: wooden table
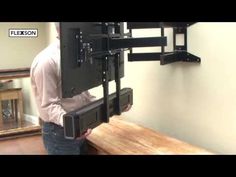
16,95
120,137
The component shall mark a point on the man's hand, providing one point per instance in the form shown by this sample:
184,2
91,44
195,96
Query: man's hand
87,133
127,108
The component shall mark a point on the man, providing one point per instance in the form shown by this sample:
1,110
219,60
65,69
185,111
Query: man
46,85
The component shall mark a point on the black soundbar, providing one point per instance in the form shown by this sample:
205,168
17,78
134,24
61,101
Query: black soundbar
77,122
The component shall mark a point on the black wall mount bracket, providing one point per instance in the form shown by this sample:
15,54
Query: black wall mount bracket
179,53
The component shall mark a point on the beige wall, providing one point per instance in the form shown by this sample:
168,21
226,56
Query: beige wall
19,52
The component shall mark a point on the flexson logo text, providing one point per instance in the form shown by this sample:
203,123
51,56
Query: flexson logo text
23,33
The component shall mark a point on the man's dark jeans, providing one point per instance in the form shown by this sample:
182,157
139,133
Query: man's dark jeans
56,144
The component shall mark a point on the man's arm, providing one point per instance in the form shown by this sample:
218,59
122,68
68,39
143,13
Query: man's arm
46,80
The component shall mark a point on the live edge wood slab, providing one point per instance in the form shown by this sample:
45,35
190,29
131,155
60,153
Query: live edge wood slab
120,137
